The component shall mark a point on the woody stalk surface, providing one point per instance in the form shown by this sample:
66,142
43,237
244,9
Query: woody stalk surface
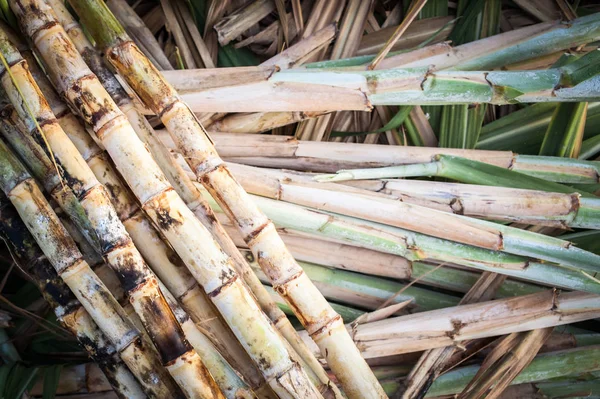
66,307
61,251
114,243
209,265
317,316
192,197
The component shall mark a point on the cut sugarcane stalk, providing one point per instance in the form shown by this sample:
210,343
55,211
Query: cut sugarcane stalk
61,251
116,246
528,172
370,206
287,153
495,203
449,326
160,257
194,200
320,91
414,246
67,308
228,381
209,265
288,278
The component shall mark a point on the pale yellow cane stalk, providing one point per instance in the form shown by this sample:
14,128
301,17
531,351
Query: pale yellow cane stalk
68,262
320,320
192,197
160,257
207,262
116,246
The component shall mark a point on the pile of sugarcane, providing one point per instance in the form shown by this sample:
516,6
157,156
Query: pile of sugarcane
232,264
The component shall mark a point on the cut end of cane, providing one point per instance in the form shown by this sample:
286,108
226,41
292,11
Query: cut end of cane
342,175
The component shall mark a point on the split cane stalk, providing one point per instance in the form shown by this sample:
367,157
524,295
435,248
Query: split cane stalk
64,256
116,246
324,325
207,262
190,194
67,308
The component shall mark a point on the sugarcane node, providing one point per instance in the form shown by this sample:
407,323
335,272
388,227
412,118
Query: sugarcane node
214,293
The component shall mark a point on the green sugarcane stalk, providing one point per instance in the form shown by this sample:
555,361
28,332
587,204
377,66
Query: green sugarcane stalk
543,367
550,38
522,174
415,246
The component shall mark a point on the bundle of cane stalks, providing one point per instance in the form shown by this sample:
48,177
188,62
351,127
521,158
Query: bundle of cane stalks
299,199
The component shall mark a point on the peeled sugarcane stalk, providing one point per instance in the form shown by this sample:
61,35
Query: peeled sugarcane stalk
162,258
324,325
116,246
287,153
415,246
207,262
495,203
377,208
64,256
66,307
190,194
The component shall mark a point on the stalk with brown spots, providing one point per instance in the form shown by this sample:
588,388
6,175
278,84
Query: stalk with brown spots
208,263
115,245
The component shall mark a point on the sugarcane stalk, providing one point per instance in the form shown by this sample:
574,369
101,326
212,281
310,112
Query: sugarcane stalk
336,255
494,203
528,172
415,246
370,206
228,381
64,256
499,50
116,246
450,326
160,257
207,262
317,316
192,197
543,367
287,153
66,307
369,292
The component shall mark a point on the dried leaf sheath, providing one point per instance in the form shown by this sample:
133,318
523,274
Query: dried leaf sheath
115,244
67,308
209,265
321,321
192,197
64,256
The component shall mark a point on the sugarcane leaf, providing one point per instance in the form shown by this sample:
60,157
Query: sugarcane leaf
565,132
51,380
229,56
19,379
588,240
394,123
7,15
581,69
